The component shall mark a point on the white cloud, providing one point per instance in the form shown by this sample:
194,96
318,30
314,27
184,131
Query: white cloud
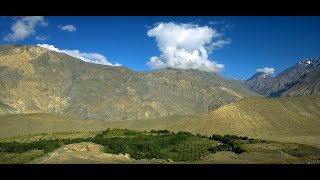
41,38
185,46
266,70
25,27
69,28
218,44
88,57
48,46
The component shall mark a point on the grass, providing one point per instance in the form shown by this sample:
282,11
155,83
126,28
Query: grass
158,144
302,150
191,150
20,158
49,136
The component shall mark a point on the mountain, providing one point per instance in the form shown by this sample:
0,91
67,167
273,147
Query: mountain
288,119
37,80
277,86
307,85
238,81
259,82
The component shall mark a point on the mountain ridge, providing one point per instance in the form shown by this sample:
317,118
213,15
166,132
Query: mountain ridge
278,85
35,79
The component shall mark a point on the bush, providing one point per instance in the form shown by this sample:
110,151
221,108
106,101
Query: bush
254,141
185,133
216,137
244,138
213,149
234,137
238,150
161,131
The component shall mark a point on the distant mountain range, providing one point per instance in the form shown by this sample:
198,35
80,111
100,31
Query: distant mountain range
36,80
300,80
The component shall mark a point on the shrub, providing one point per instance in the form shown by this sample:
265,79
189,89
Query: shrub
238,150
216,137
161,131
185,133
254,141
234,137
244,138
213,149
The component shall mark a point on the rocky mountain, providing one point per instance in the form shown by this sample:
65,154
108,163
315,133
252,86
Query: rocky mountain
277,86
307,85
259,82
35,79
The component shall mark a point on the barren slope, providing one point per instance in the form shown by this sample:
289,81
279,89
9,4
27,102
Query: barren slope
291,119
34,79
37,123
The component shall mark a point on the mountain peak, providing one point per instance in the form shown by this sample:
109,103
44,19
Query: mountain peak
293,77
260,75
310,62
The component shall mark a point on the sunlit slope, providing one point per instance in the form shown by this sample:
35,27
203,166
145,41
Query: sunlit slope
149,124
308,84
37,80
24,124
292,119
35,123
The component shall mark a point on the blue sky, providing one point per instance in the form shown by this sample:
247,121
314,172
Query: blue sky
232,46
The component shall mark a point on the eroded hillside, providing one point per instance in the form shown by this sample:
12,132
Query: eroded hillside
34,79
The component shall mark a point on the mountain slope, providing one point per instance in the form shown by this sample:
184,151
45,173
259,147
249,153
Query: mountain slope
307,85
276,86
36,123
259,83
34,79
292,119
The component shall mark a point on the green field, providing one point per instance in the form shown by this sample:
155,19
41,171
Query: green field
158,144
163,144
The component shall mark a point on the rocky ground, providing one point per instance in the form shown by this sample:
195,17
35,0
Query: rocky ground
88,153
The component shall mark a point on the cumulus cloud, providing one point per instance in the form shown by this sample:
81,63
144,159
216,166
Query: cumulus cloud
69,28
25,27
185,46
266,70
88,57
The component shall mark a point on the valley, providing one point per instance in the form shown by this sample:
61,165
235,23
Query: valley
155,147
55,108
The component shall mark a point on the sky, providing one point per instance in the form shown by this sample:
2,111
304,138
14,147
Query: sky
232,46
